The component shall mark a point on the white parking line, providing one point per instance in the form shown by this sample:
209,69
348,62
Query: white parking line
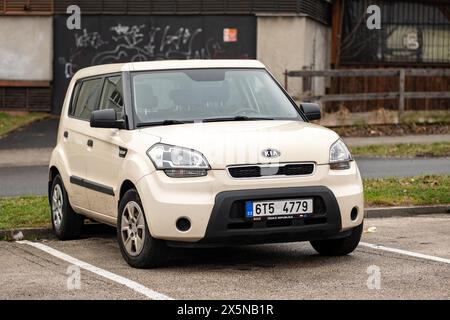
405,252
149,293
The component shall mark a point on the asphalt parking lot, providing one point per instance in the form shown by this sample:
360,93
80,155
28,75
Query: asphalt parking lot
414,263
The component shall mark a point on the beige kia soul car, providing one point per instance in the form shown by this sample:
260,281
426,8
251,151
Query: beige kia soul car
199,153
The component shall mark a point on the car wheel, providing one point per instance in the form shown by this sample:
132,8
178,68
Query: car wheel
67,224
138,247
339,247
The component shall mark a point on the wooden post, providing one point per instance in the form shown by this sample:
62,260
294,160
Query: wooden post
336,31
401,95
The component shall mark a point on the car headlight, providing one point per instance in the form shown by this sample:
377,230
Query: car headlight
340,156
178,162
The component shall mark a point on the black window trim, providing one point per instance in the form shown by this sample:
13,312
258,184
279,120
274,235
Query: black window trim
127,100
74,97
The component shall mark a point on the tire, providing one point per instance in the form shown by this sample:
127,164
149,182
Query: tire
67,224
138,247
339,247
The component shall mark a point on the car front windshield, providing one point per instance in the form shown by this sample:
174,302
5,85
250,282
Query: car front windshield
176,96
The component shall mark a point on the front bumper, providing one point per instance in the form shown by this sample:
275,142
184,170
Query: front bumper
228,224
213,204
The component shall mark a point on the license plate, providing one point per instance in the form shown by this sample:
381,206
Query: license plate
278,209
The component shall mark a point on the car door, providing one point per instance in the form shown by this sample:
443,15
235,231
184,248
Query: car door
106,153
75,138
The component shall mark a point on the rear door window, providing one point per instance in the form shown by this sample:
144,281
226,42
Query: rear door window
88,99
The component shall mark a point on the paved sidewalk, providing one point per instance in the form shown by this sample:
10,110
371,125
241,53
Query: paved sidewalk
25,157
39,134
364,141
29,146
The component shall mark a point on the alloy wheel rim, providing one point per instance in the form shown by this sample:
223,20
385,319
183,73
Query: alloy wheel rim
133,228
57,206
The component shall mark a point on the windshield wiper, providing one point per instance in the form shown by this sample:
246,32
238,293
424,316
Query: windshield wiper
236,118
171,121
161,123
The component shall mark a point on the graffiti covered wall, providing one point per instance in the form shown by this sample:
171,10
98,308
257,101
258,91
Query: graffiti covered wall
110,39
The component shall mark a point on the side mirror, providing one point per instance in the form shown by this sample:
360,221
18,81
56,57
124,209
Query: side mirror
106,118
311,110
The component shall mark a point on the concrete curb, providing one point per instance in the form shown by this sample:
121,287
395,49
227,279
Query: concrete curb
94,228
90,229
405,211
27,233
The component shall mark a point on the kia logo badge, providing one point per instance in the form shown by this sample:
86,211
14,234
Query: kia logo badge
271,153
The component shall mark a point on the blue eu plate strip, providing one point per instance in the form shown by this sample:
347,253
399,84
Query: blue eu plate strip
249,209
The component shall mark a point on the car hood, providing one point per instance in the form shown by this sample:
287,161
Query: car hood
243,142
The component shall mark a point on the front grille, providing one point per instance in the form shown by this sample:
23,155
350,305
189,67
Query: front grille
258,171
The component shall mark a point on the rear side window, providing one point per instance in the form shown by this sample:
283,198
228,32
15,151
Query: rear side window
112,96
75,92
87,99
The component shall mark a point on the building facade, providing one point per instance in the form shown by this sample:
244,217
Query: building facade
39,53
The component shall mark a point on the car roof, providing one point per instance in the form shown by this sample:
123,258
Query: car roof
166,65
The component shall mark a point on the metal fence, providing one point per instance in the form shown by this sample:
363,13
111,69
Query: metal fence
411,32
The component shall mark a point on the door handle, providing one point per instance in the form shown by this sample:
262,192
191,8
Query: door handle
90,143
123,152
66,134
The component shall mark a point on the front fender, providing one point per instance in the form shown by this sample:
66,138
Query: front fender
134,168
